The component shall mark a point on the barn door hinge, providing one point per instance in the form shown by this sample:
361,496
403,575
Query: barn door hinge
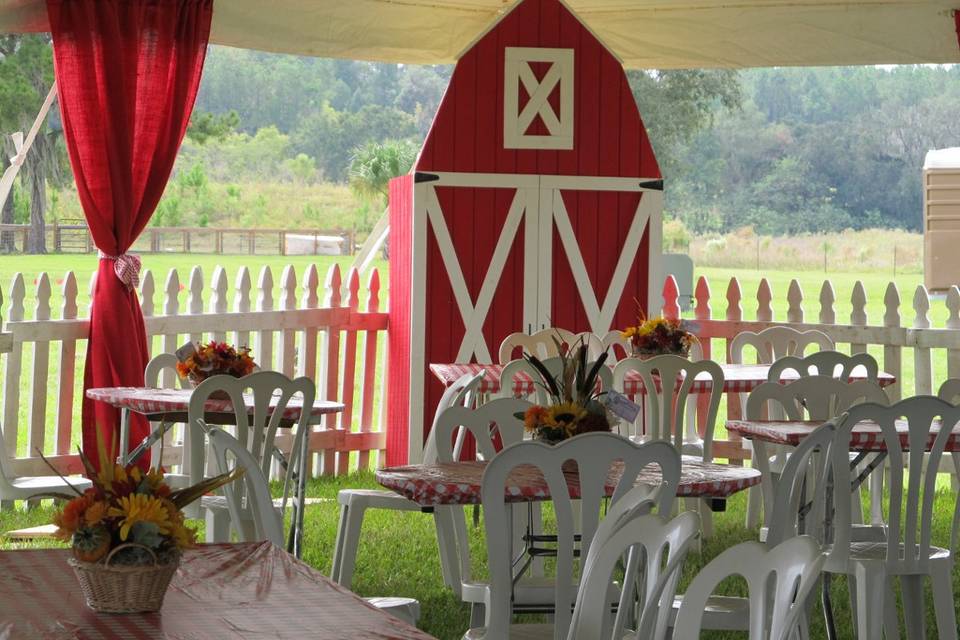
419,177
655,185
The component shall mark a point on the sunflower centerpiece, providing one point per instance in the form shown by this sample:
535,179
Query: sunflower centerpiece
127,533
574,406
659,336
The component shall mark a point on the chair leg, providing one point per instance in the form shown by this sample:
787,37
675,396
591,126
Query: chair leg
913,610
447,544
338,545
891,619
941,576
871,594
217,525
876,495
754,504
477,615
351,542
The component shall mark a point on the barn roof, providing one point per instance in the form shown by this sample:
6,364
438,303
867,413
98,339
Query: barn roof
643,33
538,93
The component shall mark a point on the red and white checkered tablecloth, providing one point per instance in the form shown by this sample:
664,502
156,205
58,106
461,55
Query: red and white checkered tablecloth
865,436
460,482
738,378
220,592
170,402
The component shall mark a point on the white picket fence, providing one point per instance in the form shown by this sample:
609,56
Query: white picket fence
328,334
335,334
903,331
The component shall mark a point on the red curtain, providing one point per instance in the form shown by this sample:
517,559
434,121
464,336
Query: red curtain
127,73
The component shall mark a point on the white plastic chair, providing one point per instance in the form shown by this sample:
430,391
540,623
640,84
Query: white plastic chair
541,344
152,377
593,453
773,343
834,364
650,539
779,580
908,552
249,499
355,502
667,381
256,430
809,398
616,346
950,390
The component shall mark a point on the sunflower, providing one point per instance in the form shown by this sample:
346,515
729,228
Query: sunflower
136,508
565,416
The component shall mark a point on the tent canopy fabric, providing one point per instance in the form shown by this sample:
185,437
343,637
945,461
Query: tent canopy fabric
653,34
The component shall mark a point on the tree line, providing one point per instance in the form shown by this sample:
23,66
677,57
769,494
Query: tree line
782,150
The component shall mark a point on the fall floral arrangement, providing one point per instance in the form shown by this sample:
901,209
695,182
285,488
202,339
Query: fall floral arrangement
129,521
574,406
197,363
658,336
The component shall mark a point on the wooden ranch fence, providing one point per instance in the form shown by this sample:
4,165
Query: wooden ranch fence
335,338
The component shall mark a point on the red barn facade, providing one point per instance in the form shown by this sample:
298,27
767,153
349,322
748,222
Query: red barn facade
535,202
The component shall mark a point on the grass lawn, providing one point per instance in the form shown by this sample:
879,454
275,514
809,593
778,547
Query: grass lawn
398,555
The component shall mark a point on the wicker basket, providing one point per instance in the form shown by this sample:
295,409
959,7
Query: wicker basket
121,589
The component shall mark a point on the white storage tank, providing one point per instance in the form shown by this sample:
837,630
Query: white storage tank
941,219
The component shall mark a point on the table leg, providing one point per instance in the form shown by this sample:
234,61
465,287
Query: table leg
301,494
124,437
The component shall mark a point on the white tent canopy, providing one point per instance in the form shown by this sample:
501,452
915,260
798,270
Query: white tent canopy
656,34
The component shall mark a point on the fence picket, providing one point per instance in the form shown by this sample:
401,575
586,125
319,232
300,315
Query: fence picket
195,299
11,384
218,299
858,313
265,303
828,315
307,364
671,298
329,372
892,353
241,303
764,301
348,359
795,302
922,365
68,358
171,307
288,337
368,374
41,369
953,322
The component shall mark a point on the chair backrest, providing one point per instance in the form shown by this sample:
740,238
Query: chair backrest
249,497
616,346
950,390
812,397
667,380
153,377
541,344
913,472
459,394
779,579
594,455
494,425
553,366
827,363
270,393
800,495
774,343
648,538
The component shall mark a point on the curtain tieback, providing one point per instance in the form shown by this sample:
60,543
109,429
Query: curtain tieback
127,268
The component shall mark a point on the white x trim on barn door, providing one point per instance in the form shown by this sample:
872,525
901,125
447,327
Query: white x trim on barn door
601,317
474,314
